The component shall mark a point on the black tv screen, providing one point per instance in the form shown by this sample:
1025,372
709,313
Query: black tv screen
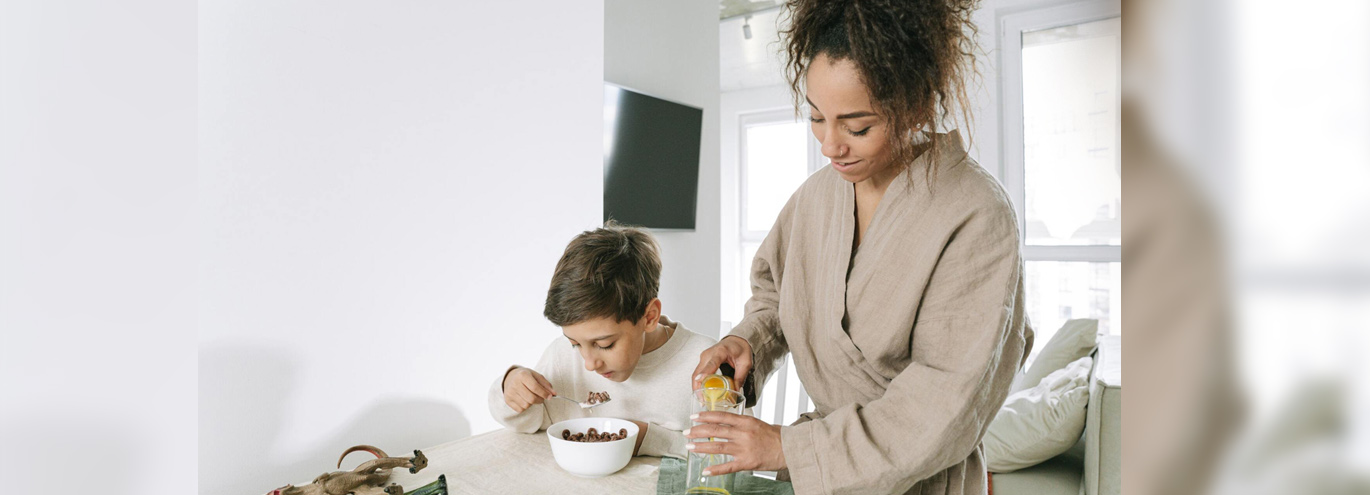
651,160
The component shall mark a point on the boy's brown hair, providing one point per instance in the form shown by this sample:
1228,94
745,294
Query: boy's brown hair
610,272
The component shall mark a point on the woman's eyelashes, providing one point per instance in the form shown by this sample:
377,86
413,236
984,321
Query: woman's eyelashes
862,132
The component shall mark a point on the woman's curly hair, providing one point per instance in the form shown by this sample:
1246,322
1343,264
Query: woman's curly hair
916,57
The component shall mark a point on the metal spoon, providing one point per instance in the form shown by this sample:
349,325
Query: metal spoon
583,405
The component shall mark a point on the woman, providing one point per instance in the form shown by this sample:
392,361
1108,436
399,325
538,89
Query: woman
893,278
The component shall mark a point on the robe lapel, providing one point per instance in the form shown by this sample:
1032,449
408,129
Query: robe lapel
838,265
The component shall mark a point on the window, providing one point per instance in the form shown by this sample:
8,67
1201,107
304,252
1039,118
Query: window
777,154
1061,82
774,164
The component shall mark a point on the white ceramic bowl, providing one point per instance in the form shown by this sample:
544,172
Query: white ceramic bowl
592,459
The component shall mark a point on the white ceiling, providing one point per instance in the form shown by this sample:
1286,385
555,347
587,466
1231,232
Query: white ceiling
730,8
750,63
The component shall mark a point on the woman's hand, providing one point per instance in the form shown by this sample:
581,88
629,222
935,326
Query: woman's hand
734,350
753,443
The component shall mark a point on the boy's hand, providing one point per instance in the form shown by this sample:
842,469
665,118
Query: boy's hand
524,387
733,350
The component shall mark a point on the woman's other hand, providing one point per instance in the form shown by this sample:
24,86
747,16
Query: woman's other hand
753,443
734,350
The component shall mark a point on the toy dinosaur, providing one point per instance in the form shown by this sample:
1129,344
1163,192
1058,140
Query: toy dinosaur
366,479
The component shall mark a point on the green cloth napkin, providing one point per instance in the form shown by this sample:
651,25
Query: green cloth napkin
671,481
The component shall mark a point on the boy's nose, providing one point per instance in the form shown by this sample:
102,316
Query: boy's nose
591,364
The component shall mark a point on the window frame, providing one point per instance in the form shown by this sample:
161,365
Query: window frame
760,118
1013,168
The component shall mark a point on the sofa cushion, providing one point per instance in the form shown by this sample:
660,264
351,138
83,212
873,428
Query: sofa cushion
1041,422
1074,340
1060,475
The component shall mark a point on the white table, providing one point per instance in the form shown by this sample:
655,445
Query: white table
502,461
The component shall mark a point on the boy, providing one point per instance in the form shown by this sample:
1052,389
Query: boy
614,339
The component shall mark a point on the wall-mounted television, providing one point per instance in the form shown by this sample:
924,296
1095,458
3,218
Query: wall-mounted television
651,159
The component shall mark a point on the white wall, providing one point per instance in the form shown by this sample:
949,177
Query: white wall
384,190
97,246
669,49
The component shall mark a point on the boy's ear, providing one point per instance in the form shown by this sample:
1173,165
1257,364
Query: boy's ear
653,315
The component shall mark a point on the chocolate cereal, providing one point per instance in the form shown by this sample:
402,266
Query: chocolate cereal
593,436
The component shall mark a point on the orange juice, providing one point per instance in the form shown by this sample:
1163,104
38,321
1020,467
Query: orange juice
716,389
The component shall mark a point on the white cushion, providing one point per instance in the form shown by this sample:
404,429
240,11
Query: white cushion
1041,422
1075,339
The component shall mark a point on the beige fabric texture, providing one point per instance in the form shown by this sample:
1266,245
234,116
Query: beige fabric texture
658,392
907,346
1075,339
1182,341
1041,422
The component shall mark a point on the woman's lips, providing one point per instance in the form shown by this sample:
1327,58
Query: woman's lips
843,167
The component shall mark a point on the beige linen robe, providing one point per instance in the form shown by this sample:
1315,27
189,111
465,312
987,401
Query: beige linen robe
908,347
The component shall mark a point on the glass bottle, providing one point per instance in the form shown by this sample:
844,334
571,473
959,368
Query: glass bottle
715,394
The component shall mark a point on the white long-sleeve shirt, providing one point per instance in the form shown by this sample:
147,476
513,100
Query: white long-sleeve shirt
657,393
